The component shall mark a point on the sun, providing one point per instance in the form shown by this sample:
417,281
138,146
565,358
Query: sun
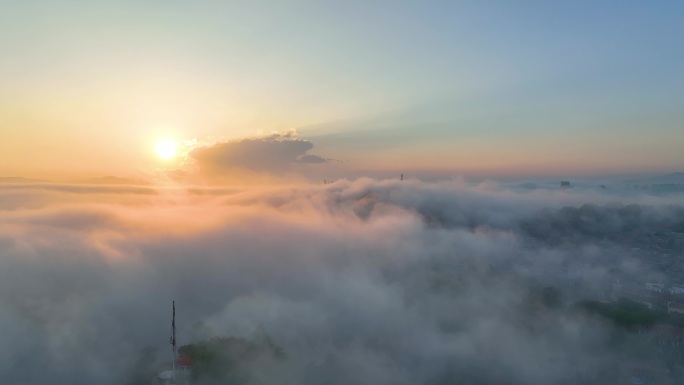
167,148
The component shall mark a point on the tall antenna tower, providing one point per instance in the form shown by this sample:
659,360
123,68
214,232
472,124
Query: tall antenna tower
173,340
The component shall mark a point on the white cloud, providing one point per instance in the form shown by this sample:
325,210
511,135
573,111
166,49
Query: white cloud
360,282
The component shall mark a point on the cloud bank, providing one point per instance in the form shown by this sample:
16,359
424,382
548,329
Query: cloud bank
364,282
274,154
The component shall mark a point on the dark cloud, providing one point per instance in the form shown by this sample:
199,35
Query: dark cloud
312,159
365,282
271,154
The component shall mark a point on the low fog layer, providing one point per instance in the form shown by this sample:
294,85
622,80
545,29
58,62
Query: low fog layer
364,282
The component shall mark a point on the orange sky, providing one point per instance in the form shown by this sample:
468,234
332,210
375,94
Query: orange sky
89,89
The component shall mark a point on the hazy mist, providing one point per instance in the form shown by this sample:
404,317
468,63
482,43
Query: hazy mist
364,282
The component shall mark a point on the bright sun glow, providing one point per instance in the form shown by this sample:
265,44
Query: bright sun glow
167,148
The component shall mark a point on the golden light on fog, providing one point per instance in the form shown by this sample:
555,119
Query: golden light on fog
167,148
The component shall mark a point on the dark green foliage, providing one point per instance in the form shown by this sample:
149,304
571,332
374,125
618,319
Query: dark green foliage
551,297
230,359
593,222
626,313
540,299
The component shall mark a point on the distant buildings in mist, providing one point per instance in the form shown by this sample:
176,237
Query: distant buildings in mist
662,184
331,181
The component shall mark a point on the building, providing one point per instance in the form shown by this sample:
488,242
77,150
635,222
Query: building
675,307
669,335
677,289
656,287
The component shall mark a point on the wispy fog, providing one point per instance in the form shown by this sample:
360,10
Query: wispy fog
359,282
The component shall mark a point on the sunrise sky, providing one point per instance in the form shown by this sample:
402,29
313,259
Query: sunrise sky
361,192
95,88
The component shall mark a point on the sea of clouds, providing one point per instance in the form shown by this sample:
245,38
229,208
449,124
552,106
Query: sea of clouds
360,282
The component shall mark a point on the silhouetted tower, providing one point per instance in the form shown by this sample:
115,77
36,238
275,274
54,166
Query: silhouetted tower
173,339
402,177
